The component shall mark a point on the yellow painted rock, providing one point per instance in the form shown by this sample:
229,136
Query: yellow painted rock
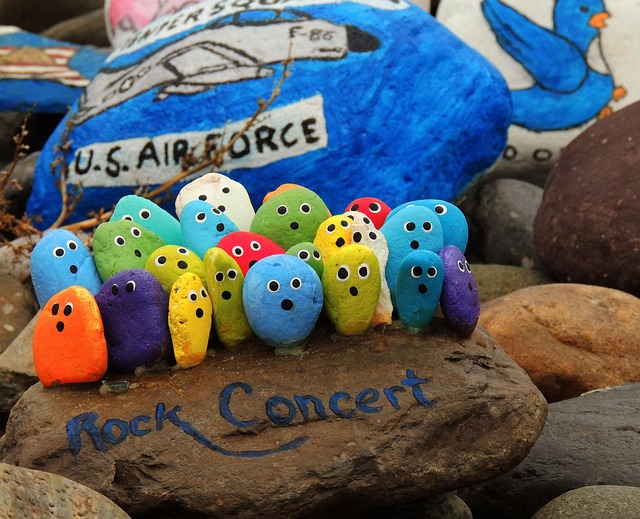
169,262
333,234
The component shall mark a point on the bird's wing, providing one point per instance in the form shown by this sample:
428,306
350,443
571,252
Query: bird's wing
554,62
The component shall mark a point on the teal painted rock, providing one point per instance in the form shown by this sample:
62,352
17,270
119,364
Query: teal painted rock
382,99
150,215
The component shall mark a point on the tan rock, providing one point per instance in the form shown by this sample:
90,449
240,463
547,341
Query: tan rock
349,426
603,501
498,280
569,338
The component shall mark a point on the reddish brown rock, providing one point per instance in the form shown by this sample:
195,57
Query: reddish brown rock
569,338
169,441
587,229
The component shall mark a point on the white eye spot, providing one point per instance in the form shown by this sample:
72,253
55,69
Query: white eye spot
160,260
130,286
203,293
136,232
232,273
460,266
193,295
126,84
316,255
183,251
201,217
363,271
237,251
343,273
255,245
409,226
466,264
416,271
71,245
432,272
305,208
296,283
119,241
145,214
273,286
58,252
127,217
440,209
282,210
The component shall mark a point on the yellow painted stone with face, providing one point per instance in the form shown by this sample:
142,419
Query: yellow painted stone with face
169,262
332,235
190,314
351,283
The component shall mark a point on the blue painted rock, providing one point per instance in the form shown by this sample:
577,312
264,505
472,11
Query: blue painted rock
374,208
43,75
567,63
247,248
380,88
459,300
134,309
60,260
203,226
309,253
169,262
227,195
351,283
413,228
122,245
283,299
69,345
225,281
333,234
151,216
419,286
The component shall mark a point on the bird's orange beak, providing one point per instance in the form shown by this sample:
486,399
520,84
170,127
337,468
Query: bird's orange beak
597,21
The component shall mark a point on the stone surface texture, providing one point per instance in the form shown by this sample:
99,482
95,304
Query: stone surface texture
590,440
569,338
602,501
37,15
482,417
499,280
85,29
17,306
586,230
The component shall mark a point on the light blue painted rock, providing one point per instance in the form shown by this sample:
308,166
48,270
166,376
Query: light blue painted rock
151,216
459,300
419,285
60,260
411,229
134,309
203,226
378,87
282,300
43,75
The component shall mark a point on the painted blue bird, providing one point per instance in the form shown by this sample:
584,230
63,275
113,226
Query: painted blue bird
566,91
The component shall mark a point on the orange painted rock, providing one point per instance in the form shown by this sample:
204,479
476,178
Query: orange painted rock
68,342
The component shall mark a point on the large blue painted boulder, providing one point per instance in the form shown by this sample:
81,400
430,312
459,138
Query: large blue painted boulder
382,101
43,75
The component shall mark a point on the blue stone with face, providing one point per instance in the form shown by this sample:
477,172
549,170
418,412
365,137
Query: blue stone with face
150,215
60,260
459,300
203,226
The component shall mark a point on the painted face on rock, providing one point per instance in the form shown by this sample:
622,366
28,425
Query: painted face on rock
150,215
169,262
203,226
247,248
459,300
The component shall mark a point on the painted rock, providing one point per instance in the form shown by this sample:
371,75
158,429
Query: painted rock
459,299
69,345
374,208
333,234
351,283
567,63
380,88
280,189
134,309
39,74
283,299
290,216
455,230
151,216
203,226
309,253
413,228
225,281
246,248
227,195
168,263
190,315
122,245
60,260
419,285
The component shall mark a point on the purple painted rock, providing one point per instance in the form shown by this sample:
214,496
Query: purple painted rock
459,300
134,309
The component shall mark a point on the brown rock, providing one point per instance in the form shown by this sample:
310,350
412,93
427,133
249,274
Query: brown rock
587,227
498,280
86,29
569,338
17,306
602,501
170,441
32,493
37,15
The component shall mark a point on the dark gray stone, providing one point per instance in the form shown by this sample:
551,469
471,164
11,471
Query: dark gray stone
17,190
37,15
86,29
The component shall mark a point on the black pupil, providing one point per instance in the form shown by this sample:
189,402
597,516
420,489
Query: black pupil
295,283
355,207
363,271
129,286
182,251
55,308
410,226
200,216
238,251
67,310
219,276
114,290
220,227
72,246
342,273
331,228
282,210
162,260
417,271
136,232
373,235
357,237
202,197
303,255
374,207
344,223
60,252
273,286
193,297
316,254
305,208
145,214
120,241
222,208
432,272
427,226
225,190
439,209
232,274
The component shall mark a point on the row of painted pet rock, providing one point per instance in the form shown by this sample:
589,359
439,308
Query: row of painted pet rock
155,298
375,86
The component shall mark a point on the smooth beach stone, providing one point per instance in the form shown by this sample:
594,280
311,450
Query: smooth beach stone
290,217
190,313
621,502
227,195
134,309
410,229
568,64
394,95
40,74
309,253
122,245
69,345
225,281
283,299
60,260
374,208
459,300
333,234
169,262
150,215
203,226
351,283
419,286
246,248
